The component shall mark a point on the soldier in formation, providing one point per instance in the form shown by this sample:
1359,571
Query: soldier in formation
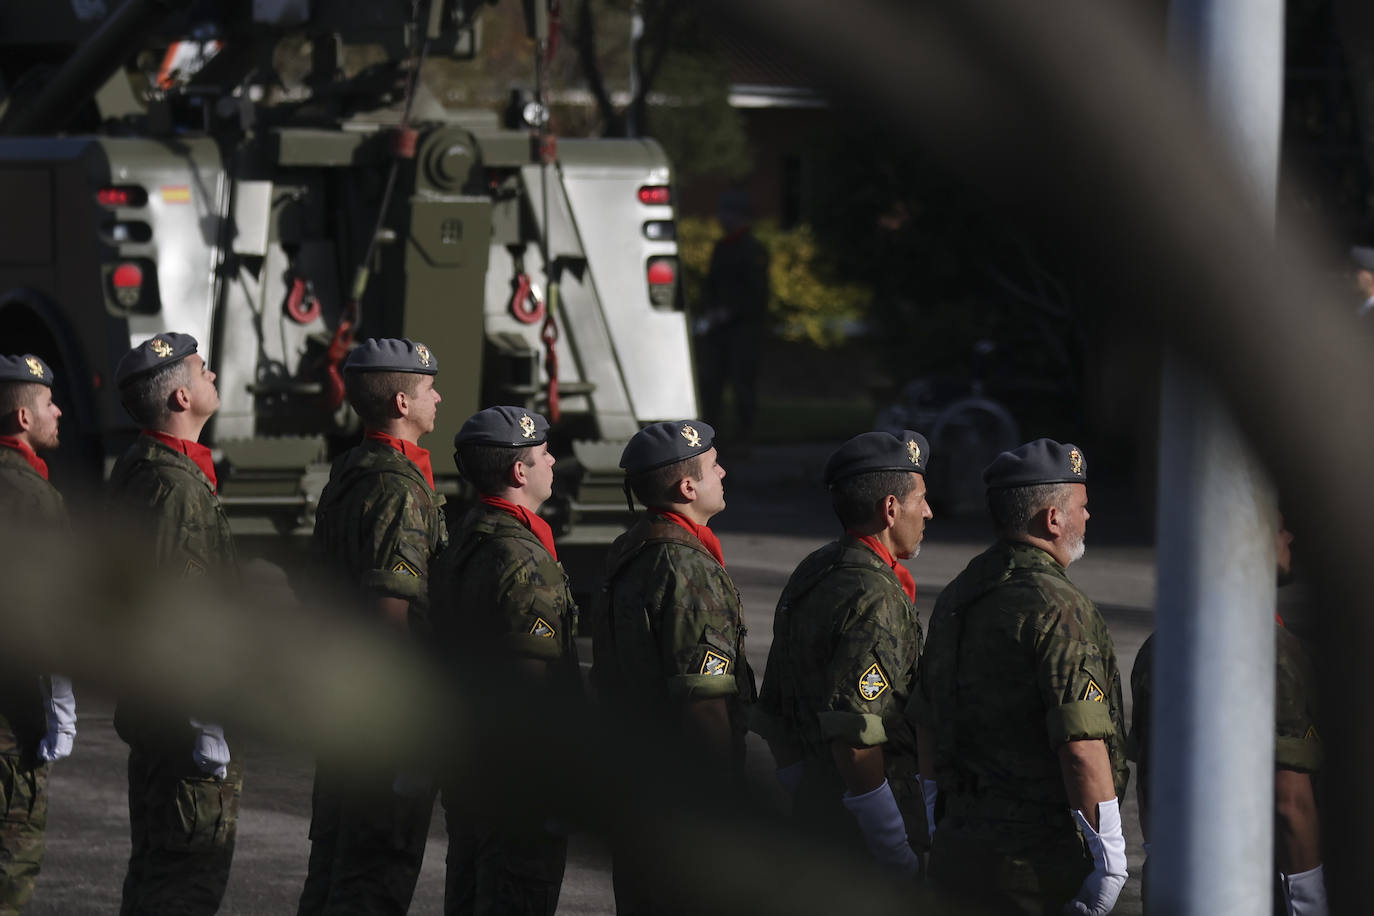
503,613
377,529
842,666
37,712
668,641
184,785
1021,699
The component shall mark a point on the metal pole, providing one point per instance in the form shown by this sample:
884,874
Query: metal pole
632,125
1212,755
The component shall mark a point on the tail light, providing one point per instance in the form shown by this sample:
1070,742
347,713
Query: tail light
660,230
662,275
656,195
126,282
123,195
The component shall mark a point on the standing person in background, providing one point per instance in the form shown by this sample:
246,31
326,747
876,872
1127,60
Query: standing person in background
183,784
1299,879
668,637
846,640
37,712
503,613
1362,262
733,324
1021,699
378,526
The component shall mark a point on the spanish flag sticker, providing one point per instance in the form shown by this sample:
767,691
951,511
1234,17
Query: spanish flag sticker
176,194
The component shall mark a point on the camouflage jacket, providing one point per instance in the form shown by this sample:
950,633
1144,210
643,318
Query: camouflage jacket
171,506
1018,662
496,586
30,504
668,624
1297,744
378,526
843,661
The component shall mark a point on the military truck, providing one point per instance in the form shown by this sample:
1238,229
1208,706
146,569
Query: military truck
156,176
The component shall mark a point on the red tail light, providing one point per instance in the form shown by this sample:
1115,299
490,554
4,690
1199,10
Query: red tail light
656,195
127,276
122,196
662,274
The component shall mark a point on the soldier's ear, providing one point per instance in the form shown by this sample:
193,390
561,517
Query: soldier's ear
517,474
23,419
179,399
686,489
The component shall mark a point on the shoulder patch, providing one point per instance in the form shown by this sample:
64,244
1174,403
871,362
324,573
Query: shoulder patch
542,629
1093,693
1312,734
872,683
193,569
714,663
404,569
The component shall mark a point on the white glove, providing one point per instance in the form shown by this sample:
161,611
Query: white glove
790,776
211,751
884,831
1305,893
1100,889
61,714
931,793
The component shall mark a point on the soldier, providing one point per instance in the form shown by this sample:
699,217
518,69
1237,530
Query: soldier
183,784
1020,703
378,525
37,713
501,607
668,639
842,666
1299,877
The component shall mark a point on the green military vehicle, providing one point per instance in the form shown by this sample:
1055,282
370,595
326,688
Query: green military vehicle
156,176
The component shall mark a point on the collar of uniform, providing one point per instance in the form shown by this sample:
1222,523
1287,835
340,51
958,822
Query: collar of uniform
532,522
28,454
193,450
418,456
700,532
903,574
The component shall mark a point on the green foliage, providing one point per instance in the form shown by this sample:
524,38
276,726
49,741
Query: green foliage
807,303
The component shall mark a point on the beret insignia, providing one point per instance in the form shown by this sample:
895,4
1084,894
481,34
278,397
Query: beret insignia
692,436
423,353
914,451
715,663
542,629
527,426
872,683
161,347
35,367
1076,462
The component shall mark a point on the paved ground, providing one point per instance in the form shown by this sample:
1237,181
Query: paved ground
776,517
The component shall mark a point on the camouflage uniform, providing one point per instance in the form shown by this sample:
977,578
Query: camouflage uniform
668,628
29,500
182,822
846,641
378,525
499,595
1018,662
1297,744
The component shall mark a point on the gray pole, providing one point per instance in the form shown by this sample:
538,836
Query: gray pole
632,125
1212,756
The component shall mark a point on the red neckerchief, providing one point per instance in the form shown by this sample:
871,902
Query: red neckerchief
22,447
418,456
537,526
1279,620
193,450
903,574
705,535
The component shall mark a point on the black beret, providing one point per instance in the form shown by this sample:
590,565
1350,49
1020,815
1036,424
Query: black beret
1039,462
514,427
392,354
879,451
1362,257
25,368
154,353
662,444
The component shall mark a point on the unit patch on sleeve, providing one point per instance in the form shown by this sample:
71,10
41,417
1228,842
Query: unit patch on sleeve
1093,693
715,663
404,569
1312,734
541,628
192,569
872,683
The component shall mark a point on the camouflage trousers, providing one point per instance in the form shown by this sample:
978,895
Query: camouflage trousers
24,813
182,825
367,844
980,866
494,872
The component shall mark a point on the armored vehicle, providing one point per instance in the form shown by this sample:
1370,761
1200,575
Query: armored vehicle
157,174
